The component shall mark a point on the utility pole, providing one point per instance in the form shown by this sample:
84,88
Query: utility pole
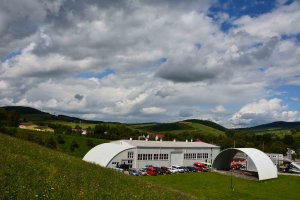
233,140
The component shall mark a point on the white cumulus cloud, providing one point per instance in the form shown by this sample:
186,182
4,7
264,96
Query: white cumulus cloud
263,111
153,110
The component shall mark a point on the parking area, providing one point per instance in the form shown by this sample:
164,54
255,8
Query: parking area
150,170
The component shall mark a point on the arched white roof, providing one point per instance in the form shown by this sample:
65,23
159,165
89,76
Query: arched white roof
264,165
102,154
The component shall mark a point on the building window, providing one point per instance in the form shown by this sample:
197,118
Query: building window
199,155
149,156
194,156
144,156
130,154
156,156
161,156
166,156
139,156
129,161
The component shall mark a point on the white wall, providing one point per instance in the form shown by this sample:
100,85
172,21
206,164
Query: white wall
212,153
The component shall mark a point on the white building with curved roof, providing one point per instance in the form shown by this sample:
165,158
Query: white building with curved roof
257,161
139,153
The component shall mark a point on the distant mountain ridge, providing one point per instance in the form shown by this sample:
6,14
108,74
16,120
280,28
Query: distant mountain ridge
33,114
23,110
275,125
207,123
36,115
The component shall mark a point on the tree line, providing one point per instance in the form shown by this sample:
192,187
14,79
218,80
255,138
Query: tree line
266,142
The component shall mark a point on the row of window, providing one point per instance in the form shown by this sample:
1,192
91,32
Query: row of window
130,154
162,156
194,156
191,156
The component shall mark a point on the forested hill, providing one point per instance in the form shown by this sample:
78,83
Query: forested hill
274,125
23,110
35,115
207,123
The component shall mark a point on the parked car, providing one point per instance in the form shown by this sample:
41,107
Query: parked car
191,168
165,170
178,168
133,172
158,170
123,166
152,171
118,169
201,169
199,164
173,170
142,172
185,169
148,166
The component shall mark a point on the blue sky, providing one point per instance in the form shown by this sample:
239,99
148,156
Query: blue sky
232,62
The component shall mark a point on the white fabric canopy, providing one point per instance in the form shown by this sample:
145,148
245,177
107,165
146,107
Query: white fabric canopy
263,164
102,154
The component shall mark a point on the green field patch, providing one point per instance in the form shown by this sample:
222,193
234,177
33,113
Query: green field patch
71,144
30,171
204,129
218,187
72,124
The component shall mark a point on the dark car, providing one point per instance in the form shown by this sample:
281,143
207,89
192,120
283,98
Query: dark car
186,169
191,168
158,170
133,172
165,170
123,166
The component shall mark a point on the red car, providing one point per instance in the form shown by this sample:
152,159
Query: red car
151,171
165,170
201,169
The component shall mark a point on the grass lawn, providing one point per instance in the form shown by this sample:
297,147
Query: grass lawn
216,186
30,171
72,124
204,129
84,143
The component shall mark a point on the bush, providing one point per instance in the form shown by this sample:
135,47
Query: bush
90,143
50,143
73,145
60,140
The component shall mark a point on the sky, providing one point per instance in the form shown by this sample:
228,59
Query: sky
236,63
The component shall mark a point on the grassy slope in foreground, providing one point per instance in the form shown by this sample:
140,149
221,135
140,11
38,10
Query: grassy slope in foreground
29,171
217,187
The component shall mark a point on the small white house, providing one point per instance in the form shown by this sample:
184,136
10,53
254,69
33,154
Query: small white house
276,158
139,153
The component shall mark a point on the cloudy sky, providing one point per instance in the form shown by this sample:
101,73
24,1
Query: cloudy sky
233,62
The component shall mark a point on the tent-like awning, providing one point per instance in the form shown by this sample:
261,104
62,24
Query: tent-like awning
263,164
102,154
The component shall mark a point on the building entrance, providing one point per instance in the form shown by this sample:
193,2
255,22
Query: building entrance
176,158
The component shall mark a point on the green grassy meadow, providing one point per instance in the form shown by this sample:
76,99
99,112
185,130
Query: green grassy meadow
179,127
215,186
204,129
84,143
72,124
30,171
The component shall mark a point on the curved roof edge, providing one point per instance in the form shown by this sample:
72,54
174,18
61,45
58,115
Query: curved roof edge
264,165
102,154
